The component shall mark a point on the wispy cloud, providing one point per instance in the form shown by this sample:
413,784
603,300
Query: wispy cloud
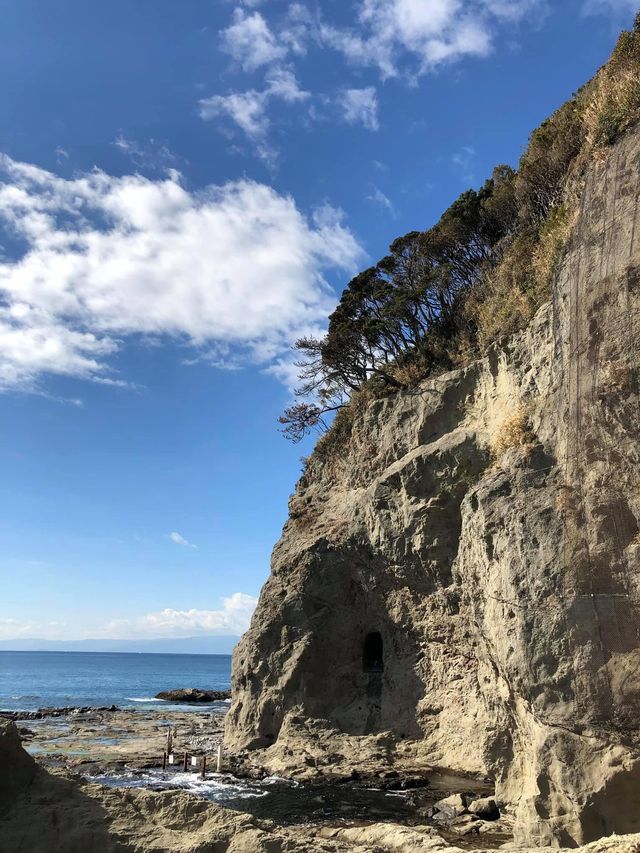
248,110
360,106
235,266
378,197
149,154
179,539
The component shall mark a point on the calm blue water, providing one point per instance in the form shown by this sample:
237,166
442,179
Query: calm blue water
31,680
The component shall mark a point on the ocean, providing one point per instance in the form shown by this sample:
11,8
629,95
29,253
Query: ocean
32,680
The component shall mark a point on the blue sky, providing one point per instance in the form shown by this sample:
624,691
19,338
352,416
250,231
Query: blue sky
186,187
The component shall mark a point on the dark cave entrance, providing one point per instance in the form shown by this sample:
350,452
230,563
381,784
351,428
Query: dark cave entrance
372,653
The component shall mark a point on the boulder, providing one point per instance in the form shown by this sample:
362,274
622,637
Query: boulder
191,695
485,808
450,807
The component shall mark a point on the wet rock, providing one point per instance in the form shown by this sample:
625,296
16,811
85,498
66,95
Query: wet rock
193,695
66,711
450,807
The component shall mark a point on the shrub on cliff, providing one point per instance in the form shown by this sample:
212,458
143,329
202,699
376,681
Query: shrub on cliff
613,102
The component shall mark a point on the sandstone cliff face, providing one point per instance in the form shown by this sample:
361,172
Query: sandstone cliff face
505,593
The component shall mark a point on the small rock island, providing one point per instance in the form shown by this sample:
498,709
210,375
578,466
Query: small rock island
193,696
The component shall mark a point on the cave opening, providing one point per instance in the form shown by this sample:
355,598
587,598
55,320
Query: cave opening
372,653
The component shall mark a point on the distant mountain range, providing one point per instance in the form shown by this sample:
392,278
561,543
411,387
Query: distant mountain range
184,645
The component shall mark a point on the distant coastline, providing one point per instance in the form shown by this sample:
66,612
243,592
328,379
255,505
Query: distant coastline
204,645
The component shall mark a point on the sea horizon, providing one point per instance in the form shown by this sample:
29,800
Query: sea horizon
30,680
109,652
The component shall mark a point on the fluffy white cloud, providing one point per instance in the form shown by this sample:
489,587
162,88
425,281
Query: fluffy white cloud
235,268
360,106
250,41
232,618
179,539
248,110
432,33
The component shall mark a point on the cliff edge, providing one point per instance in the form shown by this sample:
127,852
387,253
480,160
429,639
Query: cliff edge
459,586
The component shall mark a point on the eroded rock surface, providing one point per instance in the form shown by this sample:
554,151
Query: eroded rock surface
504,594
53,812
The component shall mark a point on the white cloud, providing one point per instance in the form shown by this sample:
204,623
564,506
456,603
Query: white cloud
248,110
360,106
390,31
232,618
379,198
300,26
282,83
235,267
515,10
250,41
179,539
149,154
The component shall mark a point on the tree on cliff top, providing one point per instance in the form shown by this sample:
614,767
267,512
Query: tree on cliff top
404,305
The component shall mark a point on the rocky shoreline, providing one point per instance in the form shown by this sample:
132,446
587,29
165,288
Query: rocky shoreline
105,742
48,807
69,710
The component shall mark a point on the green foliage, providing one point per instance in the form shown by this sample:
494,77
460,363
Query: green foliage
404,310
545,164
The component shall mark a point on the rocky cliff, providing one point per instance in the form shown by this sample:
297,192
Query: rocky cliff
459,585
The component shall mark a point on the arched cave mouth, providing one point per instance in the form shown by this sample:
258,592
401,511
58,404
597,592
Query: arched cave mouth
373,653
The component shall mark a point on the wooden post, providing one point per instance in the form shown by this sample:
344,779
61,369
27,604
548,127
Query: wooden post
184,763
219,762
164,760
204,765
169,741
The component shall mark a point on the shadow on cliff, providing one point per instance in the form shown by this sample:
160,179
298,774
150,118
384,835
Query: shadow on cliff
337,680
